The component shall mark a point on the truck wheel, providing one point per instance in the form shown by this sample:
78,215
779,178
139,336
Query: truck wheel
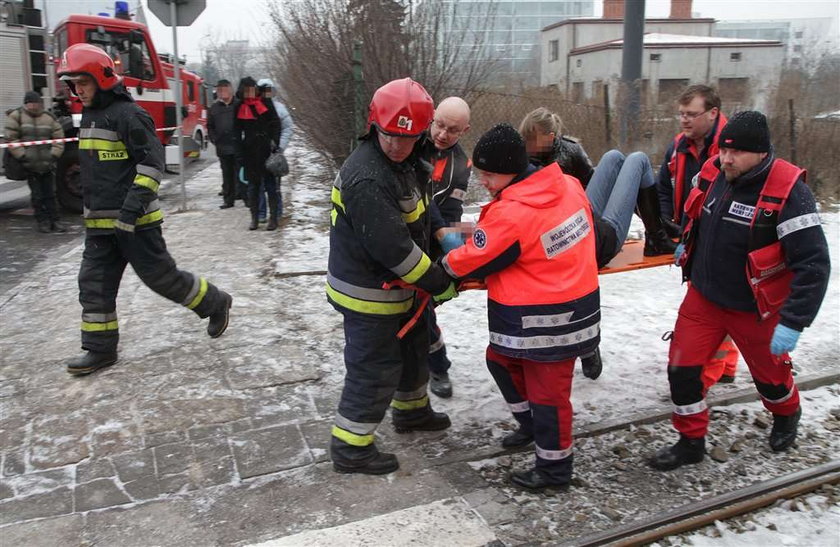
68,182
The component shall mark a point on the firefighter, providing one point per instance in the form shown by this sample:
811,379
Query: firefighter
381,225
450,177
701,122
121,161
534,246
758,262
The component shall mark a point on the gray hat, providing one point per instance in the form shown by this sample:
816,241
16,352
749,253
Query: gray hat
32,97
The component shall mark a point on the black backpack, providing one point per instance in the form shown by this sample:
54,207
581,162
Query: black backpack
12,167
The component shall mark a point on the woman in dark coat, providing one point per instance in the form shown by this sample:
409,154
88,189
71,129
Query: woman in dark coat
255,127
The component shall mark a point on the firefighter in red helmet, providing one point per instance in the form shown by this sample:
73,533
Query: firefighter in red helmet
382,220
121,162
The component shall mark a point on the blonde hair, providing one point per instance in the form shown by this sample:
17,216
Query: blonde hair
543,120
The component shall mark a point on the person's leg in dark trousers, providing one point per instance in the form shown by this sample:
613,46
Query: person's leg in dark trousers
373,362
146,251
439,363
99,281
279,198
38,198
549,387
270,184
254,171
229,176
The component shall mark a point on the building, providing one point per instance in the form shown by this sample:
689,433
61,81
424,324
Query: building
583,57
507,32
804,39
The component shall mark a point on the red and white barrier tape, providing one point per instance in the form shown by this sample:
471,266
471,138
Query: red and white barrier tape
51,141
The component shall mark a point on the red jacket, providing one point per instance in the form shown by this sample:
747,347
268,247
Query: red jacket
535,248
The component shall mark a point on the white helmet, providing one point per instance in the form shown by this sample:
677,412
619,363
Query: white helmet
265,82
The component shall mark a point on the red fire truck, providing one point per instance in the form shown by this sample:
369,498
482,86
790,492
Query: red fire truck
150,79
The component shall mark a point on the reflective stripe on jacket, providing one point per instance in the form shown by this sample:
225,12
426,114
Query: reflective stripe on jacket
380,231
534,246
121,162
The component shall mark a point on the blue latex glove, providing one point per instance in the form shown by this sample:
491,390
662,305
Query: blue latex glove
242,178
784,340
679,253
451,241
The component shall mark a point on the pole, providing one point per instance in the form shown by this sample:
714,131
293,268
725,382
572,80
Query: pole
607,116
631,66
792,131
173,11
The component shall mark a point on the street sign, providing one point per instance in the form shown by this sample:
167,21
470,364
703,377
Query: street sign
186,11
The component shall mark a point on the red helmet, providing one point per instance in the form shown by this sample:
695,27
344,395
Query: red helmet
401,108
88,59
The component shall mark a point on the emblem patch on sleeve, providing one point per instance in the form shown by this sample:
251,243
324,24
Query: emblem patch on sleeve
569,233
480,238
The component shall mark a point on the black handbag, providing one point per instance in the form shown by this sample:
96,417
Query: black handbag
12,167
276,164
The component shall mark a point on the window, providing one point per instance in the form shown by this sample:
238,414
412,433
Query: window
797,34
669,90
734,91
577,92
797,48
655,57
121,49
191,91
60,42
579,63
553,50
735,56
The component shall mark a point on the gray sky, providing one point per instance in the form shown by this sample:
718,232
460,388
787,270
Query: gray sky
246,19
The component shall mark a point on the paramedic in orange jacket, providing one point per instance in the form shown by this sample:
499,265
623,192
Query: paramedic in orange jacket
535,248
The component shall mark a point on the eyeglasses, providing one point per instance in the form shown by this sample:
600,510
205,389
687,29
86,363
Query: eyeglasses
689,115
454,131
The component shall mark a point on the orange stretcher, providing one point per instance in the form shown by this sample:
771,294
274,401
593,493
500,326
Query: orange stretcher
631,257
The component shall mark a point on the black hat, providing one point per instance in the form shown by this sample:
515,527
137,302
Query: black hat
222,82
746,131
32,97
501,150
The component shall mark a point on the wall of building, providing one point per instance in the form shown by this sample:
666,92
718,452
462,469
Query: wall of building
583,33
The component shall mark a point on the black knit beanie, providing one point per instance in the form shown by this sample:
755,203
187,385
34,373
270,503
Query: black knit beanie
746,131
501,150
32,97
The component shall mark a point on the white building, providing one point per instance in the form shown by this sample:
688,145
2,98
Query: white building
744,71
805,39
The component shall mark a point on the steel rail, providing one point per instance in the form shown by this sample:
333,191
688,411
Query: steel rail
702,513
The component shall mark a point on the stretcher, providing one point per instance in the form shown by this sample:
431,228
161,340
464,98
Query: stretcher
631,257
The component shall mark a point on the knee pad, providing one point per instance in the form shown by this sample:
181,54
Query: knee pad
772,392
686,384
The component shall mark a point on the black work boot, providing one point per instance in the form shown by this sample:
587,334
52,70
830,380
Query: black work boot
255,221
91,362
220,318
382,464
56,226
591,364
673,229
520,437
657,241
272,215
784,430
686,451
433,421
440,385
44,226
536,481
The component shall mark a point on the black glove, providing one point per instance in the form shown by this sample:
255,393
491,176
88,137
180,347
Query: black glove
126,221
671,228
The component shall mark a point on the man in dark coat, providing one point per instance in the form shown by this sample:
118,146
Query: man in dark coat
220,129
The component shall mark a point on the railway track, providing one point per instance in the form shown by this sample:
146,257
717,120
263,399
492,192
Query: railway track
695,515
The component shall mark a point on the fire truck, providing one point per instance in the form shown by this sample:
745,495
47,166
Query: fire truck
147,75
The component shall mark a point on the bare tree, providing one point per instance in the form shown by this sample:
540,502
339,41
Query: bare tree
313,54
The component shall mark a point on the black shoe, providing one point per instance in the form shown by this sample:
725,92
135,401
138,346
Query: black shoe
726,379
658,243
435,421
219,320
91,362
254,223
592,365
671,228
535,481
225,205
784,430
440,385
58,227
686,451
221,193
382,464
272,224
45,226
518,438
